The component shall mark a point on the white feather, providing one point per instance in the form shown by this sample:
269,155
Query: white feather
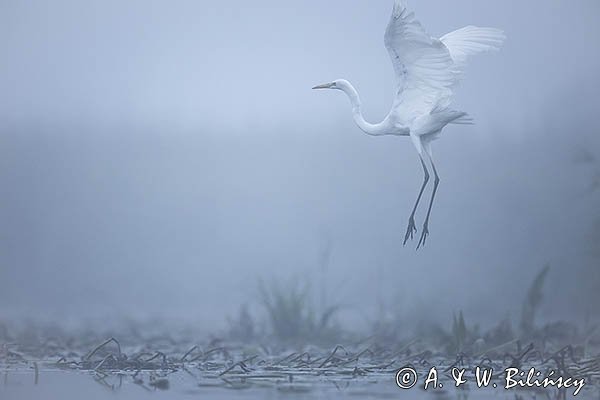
471,40
423,66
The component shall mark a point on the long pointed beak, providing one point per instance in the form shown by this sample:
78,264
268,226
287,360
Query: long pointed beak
324,86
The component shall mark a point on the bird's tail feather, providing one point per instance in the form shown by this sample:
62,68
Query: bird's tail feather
440,117
466,119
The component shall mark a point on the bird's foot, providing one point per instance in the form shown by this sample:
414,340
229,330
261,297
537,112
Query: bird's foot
411,230
424,236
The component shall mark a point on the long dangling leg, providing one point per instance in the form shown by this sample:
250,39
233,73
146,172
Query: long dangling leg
436,182
411,221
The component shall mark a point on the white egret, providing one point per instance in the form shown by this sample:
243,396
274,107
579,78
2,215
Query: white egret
427,71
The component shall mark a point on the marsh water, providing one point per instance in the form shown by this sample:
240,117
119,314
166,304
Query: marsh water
64,385
166,368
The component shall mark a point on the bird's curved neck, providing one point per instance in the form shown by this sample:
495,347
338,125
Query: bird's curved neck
370,129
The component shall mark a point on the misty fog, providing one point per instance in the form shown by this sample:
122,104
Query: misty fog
159,159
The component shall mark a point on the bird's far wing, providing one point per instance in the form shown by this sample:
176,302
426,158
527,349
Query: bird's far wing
472,40
424,68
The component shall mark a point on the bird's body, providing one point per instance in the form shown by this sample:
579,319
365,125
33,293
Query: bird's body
427,71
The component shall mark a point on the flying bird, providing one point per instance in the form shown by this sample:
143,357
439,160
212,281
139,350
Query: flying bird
427,71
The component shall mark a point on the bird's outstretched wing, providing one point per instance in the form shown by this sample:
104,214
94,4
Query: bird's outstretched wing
423,65
471,40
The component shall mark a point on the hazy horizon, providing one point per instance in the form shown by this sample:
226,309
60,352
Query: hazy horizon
160,158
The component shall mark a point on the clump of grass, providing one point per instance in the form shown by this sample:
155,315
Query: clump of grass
243,328
291,316
532,302
3,331
500,334
459,333
463,338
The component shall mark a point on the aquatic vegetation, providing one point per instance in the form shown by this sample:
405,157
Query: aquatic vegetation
459,333
297,347
243,328
163,364
292,317
533,301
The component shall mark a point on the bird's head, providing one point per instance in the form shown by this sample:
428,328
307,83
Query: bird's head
338,84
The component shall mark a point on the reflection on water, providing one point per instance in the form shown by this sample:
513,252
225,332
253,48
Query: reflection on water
66,385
